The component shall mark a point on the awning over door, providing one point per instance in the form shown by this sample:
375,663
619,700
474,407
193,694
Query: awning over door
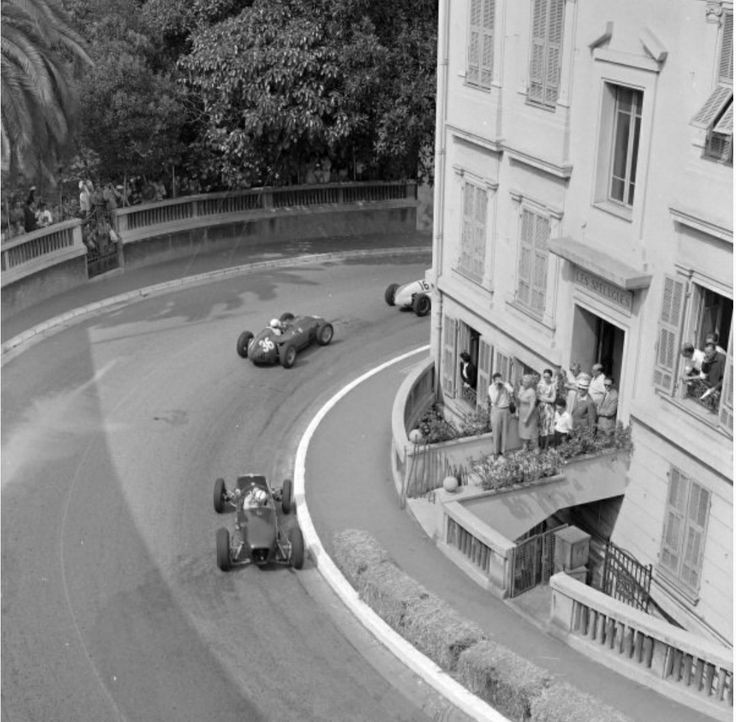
513,513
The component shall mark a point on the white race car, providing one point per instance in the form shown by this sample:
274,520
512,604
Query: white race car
414,295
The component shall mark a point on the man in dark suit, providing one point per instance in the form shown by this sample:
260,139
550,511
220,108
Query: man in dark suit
468,371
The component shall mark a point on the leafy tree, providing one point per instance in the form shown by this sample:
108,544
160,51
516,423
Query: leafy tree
40,53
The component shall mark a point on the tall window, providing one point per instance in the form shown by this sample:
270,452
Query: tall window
531,289
685,529
473,237
546,51
689,315
480,43
625,148
716,115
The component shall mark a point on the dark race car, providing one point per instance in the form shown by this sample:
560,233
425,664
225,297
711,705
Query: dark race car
258,536
284,338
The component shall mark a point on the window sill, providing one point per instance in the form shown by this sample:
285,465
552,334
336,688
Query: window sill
539,105
674,588
476,86
625,213
693,409
470,276
542,319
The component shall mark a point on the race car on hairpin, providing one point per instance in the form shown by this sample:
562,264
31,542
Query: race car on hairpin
414,296
258,536
283,338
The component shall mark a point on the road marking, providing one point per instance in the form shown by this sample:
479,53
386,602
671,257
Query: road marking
430,672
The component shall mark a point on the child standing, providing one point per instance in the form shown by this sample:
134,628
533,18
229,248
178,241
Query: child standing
563,422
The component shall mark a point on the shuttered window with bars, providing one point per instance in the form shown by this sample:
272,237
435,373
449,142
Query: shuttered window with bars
546,52
480,43
531,288
684,533
471,262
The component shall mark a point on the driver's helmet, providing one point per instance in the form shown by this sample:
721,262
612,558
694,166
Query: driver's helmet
275,324
257,497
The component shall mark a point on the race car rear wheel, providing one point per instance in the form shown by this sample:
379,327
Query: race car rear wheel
297,547
421,304
287,355
325,332
219,495
243,340
390,294
286,496
286,316
223,550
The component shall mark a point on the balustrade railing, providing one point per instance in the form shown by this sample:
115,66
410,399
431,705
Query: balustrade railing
43,243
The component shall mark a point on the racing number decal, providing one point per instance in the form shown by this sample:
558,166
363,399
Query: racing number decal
424,285
267,344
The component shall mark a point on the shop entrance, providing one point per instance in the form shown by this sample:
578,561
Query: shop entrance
595,340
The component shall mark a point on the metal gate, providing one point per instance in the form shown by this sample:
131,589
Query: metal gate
625,578
533,561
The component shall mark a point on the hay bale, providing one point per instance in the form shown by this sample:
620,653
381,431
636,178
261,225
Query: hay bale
508,682
355,551
390,592
438,631
563,703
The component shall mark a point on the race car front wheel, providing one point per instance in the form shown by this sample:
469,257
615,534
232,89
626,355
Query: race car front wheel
223,550
297,547
421,304
325,332
219,495
390,294
286,496
243,340
287,355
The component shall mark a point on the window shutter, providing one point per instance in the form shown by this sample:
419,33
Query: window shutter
486,55
674,522
697,518
536,63
479,247
725,68
539,271
485,367
726,410
449,357
526,258
472,74
554,50
667,334
503,364
466,241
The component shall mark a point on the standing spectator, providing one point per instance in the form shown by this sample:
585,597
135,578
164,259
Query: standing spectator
29,215
563,422
714,337
528,415
468,372
607,408
546,397
43,215
583,409
17,218
693,361
561,383
501,397
85,200
108,194
714,365
597,389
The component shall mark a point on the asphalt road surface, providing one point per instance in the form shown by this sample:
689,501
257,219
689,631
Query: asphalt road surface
113,432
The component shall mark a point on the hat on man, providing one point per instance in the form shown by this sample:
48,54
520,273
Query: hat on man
597,367
583,381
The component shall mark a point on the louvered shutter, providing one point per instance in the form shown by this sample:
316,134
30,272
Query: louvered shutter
503,364
694,547
674,522
725,66
526,258
466,241
726,410
485,369
536,62
554,51
713,107
668,331
478,259
449,357
472,74
539,270
486,54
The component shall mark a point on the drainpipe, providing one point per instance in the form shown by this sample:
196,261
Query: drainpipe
439,183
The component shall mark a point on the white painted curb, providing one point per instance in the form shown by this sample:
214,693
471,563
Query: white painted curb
421,665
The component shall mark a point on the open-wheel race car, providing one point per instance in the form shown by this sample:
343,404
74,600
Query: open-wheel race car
415,296
283,338
258,536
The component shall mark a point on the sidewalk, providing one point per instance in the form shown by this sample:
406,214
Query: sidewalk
349,485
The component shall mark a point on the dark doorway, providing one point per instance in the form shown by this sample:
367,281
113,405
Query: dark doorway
595,340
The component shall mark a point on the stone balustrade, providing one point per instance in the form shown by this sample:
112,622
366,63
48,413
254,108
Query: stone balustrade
679,664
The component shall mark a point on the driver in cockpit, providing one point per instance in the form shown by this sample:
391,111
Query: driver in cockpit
276,326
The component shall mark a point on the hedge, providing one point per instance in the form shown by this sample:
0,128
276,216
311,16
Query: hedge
514,686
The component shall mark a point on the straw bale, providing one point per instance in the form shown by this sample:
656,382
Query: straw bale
502,678
356,551
563,703
438,631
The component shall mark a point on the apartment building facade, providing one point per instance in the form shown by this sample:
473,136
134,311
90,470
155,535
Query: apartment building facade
583,213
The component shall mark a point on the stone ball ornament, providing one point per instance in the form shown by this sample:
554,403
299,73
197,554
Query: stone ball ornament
450,483
416,436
